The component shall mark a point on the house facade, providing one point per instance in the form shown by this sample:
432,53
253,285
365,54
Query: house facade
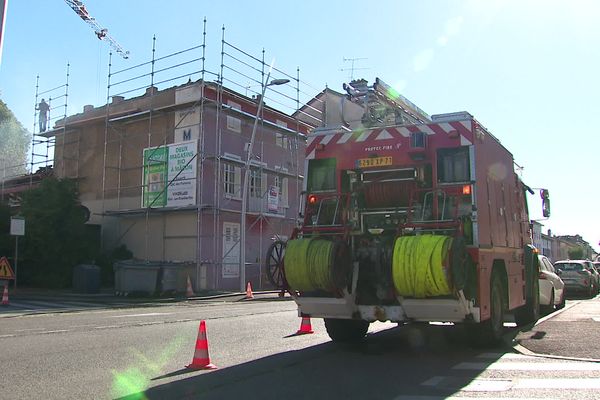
163,174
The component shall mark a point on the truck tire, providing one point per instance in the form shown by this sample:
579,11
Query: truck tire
530,312
491,331
346,330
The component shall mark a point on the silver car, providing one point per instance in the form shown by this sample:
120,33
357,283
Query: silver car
576,276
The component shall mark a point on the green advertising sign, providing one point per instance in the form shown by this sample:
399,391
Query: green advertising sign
155,177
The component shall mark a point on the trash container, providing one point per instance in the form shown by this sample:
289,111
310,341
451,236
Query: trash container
86,278
173,277
136,276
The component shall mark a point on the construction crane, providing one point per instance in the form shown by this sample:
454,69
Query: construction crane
101,33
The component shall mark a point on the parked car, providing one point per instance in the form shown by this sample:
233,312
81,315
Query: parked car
590,267
552,287
576,276
597,265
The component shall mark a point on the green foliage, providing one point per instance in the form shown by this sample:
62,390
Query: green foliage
576,253
14,143
56,238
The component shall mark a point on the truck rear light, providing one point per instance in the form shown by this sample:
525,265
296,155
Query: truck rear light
312,199
466,189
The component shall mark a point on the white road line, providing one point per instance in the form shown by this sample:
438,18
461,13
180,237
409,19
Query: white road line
56,331
140,315
517,366
107,327
504,356
29,329
5,336
408,397
558,383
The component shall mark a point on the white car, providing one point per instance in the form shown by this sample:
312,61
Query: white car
552,287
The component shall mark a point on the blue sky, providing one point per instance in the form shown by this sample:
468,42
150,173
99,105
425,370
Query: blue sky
527,70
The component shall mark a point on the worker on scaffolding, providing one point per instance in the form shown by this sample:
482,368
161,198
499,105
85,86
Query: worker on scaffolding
43,108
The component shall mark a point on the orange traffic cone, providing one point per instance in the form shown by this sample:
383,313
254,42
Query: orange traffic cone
305,327
189,291
201,359
5,301
249,294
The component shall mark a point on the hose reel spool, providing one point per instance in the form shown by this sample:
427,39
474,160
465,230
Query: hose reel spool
316,264
429,265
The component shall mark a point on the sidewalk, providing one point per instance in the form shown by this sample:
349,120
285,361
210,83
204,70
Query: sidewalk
573,332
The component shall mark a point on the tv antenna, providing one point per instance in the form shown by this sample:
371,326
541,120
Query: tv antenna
352,67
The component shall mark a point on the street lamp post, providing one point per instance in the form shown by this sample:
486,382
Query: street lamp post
245,182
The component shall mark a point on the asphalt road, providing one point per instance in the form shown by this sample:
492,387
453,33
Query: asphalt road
141,353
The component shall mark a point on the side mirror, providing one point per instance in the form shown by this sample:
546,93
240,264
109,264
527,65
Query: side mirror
545,195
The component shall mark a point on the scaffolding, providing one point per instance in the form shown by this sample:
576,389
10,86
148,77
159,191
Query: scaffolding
18,177
149,88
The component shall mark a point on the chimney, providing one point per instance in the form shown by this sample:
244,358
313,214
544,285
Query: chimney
88,108
117,99
150,91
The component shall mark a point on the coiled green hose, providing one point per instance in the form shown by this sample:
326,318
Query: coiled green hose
417,265
308,264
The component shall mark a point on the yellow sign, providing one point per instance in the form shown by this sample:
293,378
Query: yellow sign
6,271
374,162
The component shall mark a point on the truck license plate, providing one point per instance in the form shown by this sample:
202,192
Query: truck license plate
374,162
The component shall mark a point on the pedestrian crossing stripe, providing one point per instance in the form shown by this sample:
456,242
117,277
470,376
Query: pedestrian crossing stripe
6,271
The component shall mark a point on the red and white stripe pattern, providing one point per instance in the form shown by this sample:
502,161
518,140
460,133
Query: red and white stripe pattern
373,136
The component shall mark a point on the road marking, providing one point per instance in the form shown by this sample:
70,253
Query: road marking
56,331
29,329
558,383
518,366
471,385
140,315
4,336
409,397
504,356
108,327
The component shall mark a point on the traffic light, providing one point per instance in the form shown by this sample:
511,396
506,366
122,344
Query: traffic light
545,195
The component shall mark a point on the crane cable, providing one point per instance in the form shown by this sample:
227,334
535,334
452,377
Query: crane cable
308,264
418,265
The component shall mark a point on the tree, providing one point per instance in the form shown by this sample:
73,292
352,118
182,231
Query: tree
14,143
56,238
575,253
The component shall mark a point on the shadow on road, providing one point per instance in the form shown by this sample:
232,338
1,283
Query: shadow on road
393,363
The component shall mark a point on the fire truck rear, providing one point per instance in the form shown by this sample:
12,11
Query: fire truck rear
409,218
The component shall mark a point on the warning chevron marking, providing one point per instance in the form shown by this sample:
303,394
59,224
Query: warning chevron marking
6,271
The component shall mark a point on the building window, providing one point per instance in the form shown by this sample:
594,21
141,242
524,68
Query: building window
231,180
281,140
234,124
256,184
282,185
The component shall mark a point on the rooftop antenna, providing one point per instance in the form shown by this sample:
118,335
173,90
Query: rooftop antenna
101,33
352,67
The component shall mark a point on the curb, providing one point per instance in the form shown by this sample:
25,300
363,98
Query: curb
526,352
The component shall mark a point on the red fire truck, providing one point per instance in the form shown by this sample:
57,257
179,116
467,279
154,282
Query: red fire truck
409,218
